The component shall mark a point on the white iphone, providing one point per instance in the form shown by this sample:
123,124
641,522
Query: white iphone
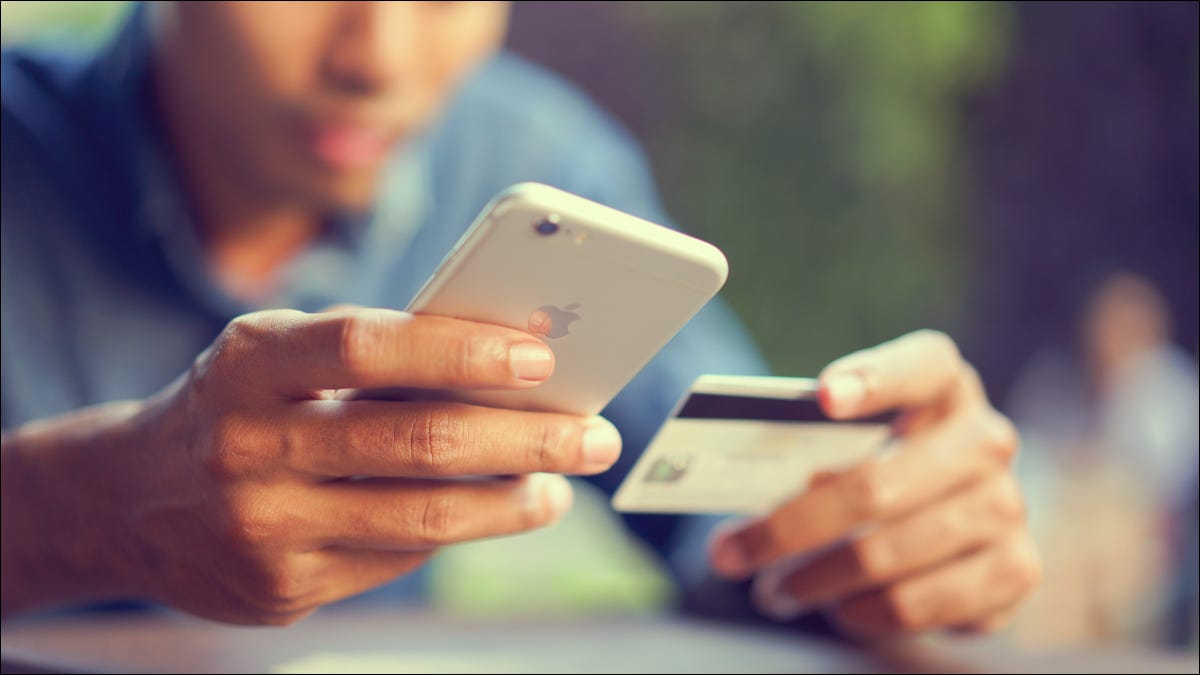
604,289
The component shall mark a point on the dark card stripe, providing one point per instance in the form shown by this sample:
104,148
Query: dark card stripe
726,407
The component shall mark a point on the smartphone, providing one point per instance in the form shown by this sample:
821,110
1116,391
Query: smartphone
604,289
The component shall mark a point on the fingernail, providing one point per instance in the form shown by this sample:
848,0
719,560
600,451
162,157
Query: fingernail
601,444
550,491
844,394
728,558
531,361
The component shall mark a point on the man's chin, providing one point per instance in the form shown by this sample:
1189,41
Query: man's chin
346,193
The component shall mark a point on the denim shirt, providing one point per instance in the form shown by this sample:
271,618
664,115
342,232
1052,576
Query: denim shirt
106,295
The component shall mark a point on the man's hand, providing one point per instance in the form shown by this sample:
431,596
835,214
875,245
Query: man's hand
247,491
929,535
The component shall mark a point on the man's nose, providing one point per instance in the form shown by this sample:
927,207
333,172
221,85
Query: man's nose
376,46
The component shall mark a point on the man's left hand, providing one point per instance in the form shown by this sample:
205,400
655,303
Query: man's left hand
930,534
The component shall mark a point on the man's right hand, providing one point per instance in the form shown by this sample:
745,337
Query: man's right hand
247,491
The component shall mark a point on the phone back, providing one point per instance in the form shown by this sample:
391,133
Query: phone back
604,289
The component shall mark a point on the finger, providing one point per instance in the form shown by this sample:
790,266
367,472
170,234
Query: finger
913,371
970,519
967,590
918,470
438,439
294,353
416,515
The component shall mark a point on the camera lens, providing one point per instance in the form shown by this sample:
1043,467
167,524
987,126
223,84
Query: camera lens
546,228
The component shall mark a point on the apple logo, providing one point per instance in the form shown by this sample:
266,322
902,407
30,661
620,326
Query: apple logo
553,322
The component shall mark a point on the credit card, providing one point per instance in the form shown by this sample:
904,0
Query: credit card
744,445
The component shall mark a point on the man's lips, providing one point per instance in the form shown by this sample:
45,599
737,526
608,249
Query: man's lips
350,146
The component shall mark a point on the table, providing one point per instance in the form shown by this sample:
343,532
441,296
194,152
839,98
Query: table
382,640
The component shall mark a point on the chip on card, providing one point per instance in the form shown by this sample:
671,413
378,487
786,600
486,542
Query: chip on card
743,445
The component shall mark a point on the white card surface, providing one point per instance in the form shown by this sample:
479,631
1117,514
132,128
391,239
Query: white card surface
743,445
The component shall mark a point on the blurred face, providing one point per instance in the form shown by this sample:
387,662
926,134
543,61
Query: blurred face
1125,317
304,101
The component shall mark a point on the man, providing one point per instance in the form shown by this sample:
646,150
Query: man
218,162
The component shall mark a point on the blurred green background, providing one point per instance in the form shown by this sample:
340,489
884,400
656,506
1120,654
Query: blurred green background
823,150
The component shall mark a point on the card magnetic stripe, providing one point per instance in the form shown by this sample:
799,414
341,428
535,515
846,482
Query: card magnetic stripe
727,407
